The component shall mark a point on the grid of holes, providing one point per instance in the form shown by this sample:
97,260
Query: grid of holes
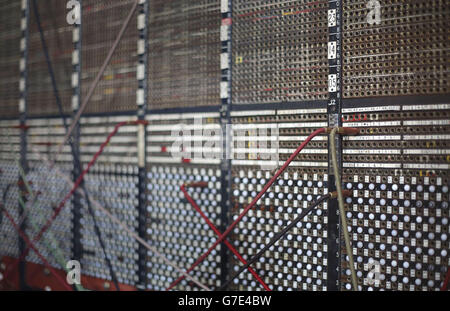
9,176
399,216
176,229
48,190
102,21
10,35
184,49
58,37
279,51
115,188
399,229
405,54
122,147
395,141
298,261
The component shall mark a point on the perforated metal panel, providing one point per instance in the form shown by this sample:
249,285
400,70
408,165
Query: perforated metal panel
279,51
9,176
403,53
177,230
113,183
49,187
174,227
398,171
10,35
299,261
397,168
115,188
117,88
58,37
184,53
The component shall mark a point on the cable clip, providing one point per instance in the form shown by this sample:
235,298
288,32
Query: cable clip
344,130
345,193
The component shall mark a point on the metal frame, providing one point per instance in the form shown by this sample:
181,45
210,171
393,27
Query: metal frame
334,119
23,108
225,119
76,101
141,101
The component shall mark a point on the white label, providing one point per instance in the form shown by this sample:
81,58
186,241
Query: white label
75,105
75,58
332,50
21,105
23,23
332,18
74,79
224,61
224,6
332,83
140,74
76,35
140,97
223,89
22,84
141,22
141,46
224,32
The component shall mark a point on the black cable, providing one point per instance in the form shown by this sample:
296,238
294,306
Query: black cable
74,155
277,237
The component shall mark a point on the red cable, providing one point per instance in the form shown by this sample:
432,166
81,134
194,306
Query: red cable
76,185
447,279
244,212
30,244
214,228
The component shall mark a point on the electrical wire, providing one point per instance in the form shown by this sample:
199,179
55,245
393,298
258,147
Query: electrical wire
54,251
214,228
30,244
100,74
342,207
102,243
74,155
78,182
446,280
253,203
278,236
121,224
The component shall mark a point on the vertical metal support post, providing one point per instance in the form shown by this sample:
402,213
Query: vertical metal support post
225,121
141,100
23,108
77,167
334,119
